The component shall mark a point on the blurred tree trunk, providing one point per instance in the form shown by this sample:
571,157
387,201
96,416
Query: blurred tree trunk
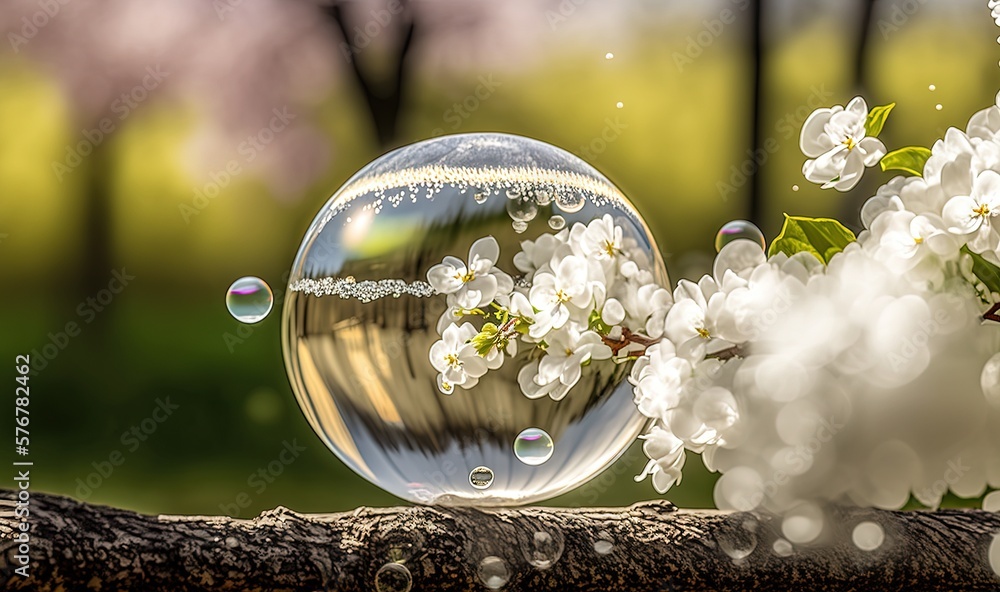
382,95
649,546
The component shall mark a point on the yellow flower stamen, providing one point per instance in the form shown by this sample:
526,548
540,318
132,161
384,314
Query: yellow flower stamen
452,360
850,143
982,211
919,240
609,248
562,296
703,332
468,277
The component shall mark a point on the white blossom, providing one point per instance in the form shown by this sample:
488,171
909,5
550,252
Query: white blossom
474,284
456,360
835,141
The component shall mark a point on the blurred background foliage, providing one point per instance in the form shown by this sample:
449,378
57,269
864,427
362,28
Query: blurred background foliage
212,77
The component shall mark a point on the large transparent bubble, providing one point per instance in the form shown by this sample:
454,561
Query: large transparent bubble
360,320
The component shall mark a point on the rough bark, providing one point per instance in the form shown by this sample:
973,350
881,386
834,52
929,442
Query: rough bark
649,546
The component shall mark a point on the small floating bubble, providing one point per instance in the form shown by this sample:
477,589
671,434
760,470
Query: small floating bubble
570,202
619,104
739,229
609,56
519,226
480,196
868,536
533,446
931,87
795,187
523,209
493,572
557,222
481,477
938,106
393,577
249,300
544,549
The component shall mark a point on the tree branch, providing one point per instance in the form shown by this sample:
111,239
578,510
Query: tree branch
649,546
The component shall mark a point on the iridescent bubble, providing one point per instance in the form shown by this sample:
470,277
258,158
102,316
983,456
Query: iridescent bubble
393,577
533,446
249,300
868,536
481,477
543,549
557,222
493,572
739,229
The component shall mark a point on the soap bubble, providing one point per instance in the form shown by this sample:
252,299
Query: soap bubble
543,548
533,446
736,230
360,317
481,477
493,572
393,577
249,300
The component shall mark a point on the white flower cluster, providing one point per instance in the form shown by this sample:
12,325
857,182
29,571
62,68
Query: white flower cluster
869,379
589,285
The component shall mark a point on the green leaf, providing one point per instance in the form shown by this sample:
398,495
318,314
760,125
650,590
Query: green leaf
823,237
596,323
987,272
486,339
876,119
909,160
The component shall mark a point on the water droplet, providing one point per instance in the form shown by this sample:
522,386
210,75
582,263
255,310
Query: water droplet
737,547
609,56
782,548
522,208
603,547
803,524
868,536
513,194
991,503
931,87
739,229
481,477
557,222
393,577
519,226
544,549
570,202
938,106
990,380
480,196
493,572
249,300
533,446
619,104
795,187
